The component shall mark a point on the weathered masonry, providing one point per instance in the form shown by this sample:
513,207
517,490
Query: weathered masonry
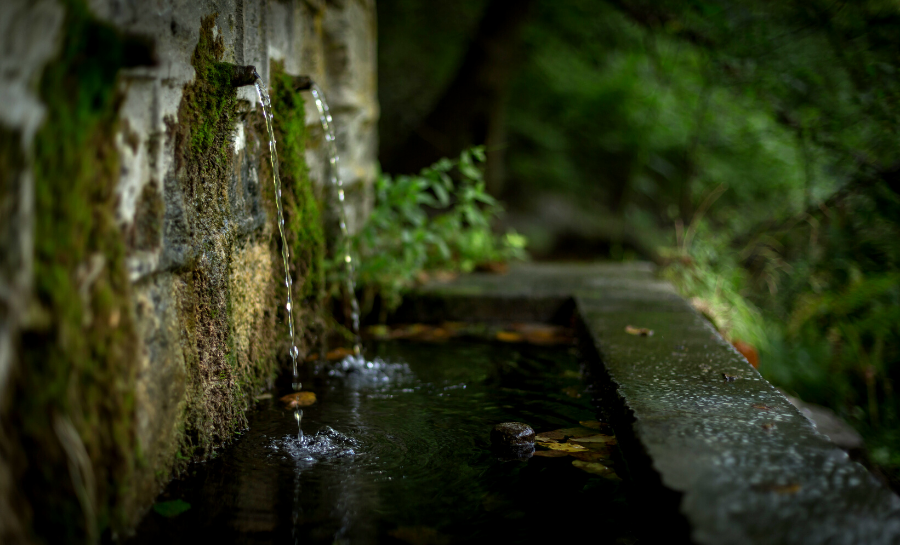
140,270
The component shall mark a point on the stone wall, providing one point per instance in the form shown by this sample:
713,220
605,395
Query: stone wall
140,280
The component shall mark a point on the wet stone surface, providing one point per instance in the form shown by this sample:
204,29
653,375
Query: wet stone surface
512,434
719,454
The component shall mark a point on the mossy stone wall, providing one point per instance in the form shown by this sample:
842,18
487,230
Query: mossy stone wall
141,293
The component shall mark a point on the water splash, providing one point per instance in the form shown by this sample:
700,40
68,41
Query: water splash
338,185
266,104
327,443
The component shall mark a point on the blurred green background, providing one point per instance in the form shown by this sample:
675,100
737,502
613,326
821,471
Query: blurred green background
747,147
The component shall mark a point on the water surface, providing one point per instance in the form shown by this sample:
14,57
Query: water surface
396,450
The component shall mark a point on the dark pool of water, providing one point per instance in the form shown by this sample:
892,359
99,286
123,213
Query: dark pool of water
396,450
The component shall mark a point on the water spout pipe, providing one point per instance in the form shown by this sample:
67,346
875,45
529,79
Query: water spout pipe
242,75
302,83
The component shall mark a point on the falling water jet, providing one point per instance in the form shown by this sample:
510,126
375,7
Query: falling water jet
298,416
266,104
337,185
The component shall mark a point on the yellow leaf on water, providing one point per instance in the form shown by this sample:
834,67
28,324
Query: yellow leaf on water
564,447
599,438
594,425
562,434
601,456
299,399
551,453
509,337
591,467
596,469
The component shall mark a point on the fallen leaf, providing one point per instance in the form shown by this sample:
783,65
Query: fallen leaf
572,391
748,351
509,337
299,399
339,353
592,467
601,456
599,438
762,406
564,447
172,508
561,435
551,453
641,331
594,424
768,426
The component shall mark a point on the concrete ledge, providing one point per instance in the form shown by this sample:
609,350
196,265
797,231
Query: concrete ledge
715,459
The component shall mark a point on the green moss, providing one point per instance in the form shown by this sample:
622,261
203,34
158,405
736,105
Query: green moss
80,368
302,216
222,374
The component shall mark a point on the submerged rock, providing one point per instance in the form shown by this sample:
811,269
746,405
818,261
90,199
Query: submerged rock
512,434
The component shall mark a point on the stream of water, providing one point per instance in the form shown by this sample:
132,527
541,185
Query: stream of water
397,450
337,184
266,104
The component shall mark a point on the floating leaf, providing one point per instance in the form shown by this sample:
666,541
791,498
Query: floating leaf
762,407
594,425
561,435
599,438
551,453
768,426
509,337
640,331
593,467
299,399
600,455
172,508
564,447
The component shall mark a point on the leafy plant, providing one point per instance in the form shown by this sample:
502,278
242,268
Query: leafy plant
437,220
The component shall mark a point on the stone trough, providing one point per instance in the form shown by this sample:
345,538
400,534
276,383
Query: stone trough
716,453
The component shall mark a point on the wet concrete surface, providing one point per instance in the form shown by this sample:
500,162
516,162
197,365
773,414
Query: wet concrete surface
717,454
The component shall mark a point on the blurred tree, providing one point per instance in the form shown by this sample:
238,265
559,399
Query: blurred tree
472,107
748,146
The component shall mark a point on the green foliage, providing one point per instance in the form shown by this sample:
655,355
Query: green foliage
757,142
429,222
